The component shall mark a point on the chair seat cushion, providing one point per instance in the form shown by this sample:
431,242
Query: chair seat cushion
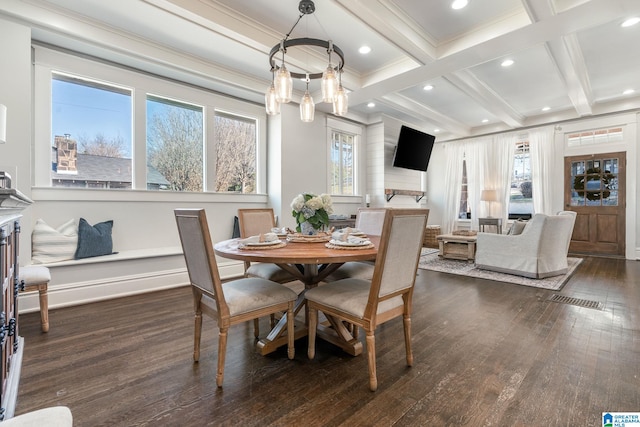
56,416
352,270
35,274
252,293
349,296
269,271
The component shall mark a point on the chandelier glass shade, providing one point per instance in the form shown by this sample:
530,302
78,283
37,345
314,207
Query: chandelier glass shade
281,89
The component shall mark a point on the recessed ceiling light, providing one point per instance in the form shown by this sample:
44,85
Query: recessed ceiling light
546,108
371,104
436,130
485,120
507,63
628,92
631,21
364,50
459,4
428,87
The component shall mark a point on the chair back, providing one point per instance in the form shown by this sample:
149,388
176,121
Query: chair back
370,220
199,255
398,254
255,221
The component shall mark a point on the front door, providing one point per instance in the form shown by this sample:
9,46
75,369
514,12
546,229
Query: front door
595,190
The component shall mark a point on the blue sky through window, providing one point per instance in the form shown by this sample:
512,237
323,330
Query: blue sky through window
84,111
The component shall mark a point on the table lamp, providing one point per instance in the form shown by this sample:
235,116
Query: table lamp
489,196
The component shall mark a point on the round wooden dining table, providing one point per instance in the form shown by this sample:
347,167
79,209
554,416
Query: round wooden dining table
309,262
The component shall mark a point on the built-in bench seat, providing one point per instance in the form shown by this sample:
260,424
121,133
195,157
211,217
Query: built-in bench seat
119,256
121,274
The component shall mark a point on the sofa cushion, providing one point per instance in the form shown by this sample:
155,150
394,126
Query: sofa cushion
50,244
94,240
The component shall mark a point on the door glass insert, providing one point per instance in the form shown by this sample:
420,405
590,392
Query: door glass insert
594,182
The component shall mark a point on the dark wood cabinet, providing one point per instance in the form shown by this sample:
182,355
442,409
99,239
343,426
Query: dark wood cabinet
10,342
11,204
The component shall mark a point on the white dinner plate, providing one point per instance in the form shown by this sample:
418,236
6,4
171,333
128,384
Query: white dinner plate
273,242
341,243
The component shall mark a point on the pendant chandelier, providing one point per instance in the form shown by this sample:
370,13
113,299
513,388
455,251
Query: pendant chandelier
281,89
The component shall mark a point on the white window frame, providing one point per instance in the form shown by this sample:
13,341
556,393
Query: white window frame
48,60
340,126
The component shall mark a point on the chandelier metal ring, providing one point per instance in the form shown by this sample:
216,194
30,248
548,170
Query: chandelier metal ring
305,42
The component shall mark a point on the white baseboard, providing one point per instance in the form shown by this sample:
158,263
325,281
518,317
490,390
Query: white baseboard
77,293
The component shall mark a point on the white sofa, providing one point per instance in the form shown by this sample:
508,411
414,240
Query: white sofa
539,251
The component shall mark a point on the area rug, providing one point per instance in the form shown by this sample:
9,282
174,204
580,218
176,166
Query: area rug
429,260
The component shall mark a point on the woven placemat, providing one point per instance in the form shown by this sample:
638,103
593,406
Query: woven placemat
332,246
255,248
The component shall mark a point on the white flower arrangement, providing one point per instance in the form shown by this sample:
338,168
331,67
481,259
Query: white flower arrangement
315,210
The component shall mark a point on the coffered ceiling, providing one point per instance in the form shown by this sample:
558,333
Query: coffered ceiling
571,57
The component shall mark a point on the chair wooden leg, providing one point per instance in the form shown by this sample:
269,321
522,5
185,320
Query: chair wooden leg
44,307
313,324
371,357
407,339
222,351
291,350
197,332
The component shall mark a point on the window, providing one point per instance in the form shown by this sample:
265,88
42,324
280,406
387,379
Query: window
235,153
91,127
175,149
521,198
465,209
599,136
102,126
342,168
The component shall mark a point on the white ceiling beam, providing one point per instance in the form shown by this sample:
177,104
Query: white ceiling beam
567,56
583,16
392,23
424,113
470,85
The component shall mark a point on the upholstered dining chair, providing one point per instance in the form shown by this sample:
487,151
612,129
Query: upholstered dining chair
259,221
253,222
368,303
237,301
369,221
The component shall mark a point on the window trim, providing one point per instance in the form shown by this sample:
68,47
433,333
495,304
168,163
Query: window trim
47,61
351,129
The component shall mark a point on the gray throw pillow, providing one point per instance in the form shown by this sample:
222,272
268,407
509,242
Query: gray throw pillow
517,227
94,240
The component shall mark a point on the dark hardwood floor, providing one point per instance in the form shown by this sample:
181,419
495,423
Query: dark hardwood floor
485,353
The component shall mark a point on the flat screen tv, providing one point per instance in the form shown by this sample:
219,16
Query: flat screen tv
413,150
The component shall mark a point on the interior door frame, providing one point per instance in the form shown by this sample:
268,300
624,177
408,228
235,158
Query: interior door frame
611,248
629,144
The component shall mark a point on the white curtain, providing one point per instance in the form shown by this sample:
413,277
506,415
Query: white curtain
477,157
499,178
454,154
541,150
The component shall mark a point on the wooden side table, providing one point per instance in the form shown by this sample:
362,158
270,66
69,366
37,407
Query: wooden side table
496,222
457,246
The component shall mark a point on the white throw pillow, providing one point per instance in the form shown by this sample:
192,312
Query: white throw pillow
50,244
